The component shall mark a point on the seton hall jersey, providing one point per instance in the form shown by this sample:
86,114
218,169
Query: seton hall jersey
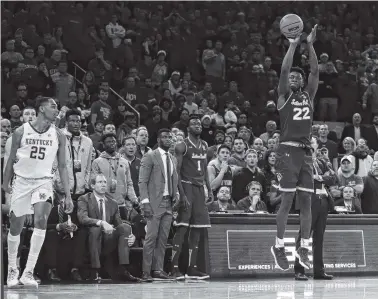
296,118
193,168
37,153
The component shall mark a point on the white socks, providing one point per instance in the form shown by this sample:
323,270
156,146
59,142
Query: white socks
13,243
36,242
280,243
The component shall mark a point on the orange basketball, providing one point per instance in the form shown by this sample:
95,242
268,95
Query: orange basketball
291,25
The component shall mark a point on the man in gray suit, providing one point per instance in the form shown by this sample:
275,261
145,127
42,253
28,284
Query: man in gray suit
106,230
158,187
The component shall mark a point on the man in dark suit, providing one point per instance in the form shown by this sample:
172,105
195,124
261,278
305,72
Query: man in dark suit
64,240
355,131
158,187
106,230
373,136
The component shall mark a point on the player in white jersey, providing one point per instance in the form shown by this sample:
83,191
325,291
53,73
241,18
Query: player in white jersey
35,147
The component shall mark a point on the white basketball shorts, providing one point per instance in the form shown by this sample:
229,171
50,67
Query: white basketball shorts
27,192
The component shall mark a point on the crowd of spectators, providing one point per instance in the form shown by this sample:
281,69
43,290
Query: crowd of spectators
169,60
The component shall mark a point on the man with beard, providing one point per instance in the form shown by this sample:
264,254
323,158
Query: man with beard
128,151
219,170
223,202
331,146
192,212
369,197
245,134
246,175
237,158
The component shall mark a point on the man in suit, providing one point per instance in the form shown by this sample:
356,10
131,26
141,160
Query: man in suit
158,187
373,136
106,230
355,131
64,240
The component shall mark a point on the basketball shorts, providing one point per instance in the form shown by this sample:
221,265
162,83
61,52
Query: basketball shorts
197,214
294,169
27,192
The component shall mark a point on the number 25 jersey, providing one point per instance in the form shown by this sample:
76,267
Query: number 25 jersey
37,153
296,118
194,164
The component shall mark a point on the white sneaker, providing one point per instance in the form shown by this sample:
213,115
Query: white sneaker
12,279
27,279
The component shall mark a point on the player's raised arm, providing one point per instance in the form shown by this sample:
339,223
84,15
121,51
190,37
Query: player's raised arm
62,167
287,63
313,78
8,172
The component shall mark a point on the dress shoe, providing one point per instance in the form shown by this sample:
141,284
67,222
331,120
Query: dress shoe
160,275
147,277
128,277
53,276
323,276
75,275
301,277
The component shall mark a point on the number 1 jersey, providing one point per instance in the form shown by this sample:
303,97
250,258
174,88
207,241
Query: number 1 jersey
296,118
37,153
194,164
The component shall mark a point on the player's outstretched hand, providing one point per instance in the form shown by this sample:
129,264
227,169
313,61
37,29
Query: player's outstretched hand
312,36
68,204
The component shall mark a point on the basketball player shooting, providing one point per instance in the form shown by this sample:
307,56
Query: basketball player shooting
294,160
191,157
35,146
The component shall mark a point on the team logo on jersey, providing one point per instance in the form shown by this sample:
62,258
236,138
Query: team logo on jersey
199,156
304,102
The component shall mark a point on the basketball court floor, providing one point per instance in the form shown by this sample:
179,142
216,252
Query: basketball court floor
285,288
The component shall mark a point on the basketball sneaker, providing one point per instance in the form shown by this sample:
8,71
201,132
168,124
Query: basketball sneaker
194,273
302,255
176,274
28,279
280,257
12,279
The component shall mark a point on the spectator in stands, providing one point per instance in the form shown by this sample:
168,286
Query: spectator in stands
369,196
189,103
350,200
99,66
100,215
97,135
65,242
109,129
207,130
246,175
15,114
100,109
271,127
142,141
355,131
269,169
10,56
363,160
219,171
373,138
272,144
253,202
331,146
126,127
128,151
117,170
215,67
223,203
115,31
237,156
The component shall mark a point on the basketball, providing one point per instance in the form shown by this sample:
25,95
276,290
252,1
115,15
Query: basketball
291,25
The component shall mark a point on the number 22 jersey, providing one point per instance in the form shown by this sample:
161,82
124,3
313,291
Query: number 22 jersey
193,168
296,118
37,153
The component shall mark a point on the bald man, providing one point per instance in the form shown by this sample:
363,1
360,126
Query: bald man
5,126
356,131
271,127
15,115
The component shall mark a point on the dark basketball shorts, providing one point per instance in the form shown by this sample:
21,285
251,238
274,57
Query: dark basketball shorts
197,214
294,169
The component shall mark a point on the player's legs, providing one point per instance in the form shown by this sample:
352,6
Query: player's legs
42,199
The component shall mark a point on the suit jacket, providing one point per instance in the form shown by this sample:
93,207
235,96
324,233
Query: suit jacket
152,178
373,138
348,131
88,212
53,219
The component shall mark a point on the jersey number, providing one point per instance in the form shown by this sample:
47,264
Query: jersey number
301,113
37,152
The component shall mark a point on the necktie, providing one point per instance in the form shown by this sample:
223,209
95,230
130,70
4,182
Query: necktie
101,209
61,213
169,175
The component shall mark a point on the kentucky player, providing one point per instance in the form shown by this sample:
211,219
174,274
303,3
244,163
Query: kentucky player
294,157
35,147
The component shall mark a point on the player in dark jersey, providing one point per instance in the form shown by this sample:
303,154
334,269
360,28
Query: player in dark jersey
191,157
294,159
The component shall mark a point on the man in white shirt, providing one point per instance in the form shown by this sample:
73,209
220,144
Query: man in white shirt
158,181
115,31
107,232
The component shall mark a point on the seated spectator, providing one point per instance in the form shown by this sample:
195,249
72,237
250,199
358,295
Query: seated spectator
363,161
253,202
349,200
369,197
64,240
223,202
246,175
100,215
